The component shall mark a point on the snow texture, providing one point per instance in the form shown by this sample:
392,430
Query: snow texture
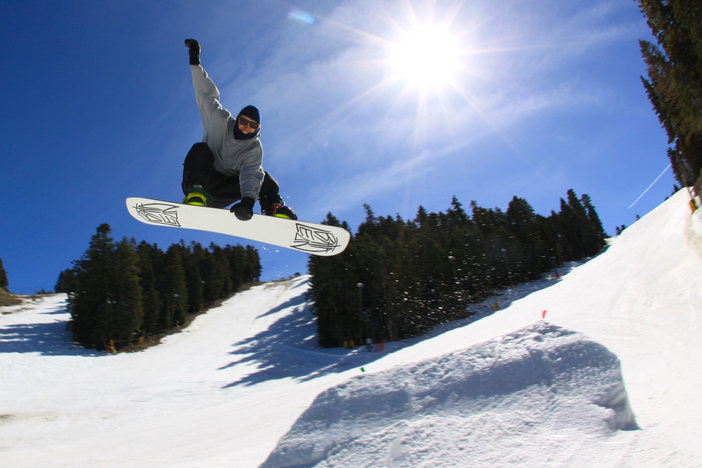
539,379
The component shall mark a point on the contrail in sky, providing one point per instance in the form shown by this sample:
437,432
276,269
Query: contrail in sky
649,187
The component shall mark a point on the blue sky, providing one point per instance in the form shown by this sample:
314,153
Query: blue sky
534,98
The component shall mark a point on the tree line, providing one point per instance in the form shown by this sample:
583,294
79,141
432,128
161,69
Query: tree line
674,83
398,279
120,292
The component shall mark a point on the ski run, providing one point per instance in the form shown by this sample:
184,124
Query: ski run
601,367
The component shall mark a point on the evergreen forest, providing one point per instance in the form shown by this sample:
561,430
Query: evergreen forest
120,292
399,279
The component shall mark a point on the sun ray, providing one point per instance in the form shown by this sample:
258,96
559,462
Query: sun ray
422,55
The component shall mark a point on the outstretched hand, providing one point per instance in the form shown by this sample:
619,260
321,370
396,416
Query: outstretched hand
193,51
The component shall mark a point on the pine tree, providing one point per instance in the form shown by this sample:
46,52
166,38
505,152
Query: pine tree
215,273
105,296
173,290
457,215
148,257
334,293
236,259
3,277
253,262
66,281
125,311
89,304
674,86
222,270
193,279
598,232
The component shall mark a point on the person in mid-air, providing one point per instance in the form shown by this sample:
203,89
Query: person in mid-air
226,166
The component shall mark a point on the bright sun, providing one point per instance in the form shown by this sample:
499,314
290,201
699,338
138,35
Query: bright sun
425,56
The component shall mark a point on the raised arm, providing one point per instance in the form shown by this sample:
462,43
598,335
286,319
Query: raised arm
214,116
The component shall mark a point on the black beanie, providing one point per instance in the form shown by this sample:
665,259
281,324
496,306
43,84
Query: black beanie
252,113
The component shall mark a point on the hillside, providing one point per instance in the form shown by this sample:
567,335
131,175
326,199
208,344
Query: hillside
602,368
7,299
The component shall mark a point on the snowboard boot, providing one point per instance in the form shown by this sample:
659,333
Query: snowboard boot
198,197
282,211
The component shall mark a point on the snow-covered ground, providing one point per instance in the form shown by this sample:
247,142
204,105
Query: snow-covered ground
602,368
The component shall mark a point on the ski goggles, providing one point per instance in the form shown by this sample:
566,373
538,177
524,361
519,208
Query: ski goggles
244,121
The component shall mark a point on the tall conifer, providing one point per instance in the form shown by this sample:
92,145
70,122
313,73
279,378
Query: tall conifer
674,84
173,290
89,305
125,311
3,277
148,256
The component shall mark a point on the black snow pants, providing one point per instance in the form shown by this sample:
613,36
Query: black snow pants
198,169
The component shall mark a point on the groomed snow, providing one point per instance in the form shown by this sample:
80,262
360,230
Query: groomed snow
608,377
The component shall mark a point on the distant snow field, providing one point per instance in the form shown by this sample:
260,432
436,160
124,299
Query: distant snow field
600,368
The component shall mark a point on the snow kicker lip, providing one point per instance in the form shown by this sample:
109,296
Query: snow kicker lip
539,378
312,240
158,213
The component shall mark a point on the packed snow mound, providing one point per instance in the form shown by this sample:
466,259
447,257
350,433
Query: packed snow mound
525,386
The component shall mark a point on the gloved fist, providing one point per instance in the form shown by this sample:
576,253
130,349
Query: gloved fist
244,209
193,51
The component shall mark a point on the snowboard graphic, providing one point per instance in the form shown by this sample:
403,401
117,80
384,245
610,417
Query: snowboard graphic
312,238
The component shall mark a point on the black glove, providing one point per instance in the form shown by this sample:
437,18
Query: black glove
194,51
244,209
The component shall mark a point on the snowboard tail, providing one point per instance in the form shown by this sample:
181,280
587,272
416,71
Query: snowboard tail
312,238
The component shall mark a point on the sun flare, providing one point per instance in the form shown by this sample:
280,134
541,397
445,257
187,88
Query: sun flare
425,56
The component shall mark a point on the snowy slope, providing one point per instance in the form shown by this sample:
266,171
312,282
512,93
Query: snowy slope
247,386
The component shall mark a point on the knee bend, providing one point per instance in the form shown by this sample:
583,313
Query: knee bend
199,156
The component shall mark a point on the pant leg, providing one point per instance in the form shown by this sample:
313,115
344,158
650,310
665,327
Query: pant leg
198,167
269,195
224,190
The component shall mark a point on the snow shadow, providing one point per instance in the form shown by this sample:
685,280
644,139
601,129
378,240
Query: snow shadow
45,338
289,349
294,302
523,388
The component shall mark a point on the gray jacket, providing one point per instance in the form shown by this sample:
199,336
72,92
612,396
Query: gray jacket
232,157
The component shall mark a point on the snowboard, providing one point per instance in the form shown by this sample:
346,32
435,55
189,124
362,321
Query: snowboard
312,238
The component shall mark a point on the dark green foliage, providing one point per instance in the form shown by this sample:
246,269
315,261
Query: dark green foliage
105,301
400,279
66,281
148,256
193,280
125,308
674,84
121,291
173,289
3,277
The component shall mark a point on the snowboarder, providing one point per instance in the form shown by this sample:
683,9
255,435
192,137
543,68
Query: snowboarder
226,166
